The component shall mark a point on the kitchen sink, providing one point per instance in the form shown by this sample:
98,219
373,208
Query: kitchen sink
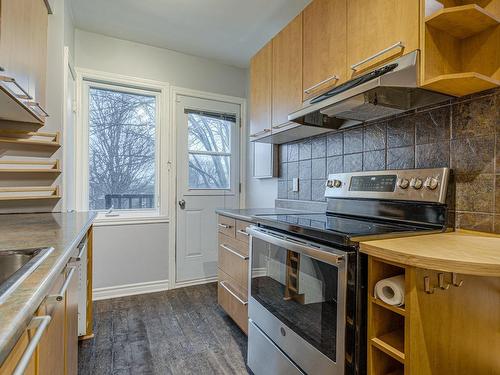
17,265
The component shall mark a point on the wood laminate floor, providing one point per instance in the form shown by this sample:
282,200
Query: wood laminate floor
180,331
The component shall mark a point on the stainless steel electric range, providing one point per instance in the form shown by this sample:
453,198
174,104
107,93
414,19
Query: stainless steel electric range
307,295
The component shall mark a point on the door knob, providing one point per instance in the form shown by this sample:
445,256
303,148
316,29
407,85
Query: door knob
182,204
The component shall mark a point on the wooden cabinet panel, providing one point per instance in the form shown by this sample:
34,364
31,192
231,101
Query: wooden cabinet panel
233,300
15,355
226,225
241,234
71,357
287,71
375,25
260,92
325,46
23,44
233,261
51,346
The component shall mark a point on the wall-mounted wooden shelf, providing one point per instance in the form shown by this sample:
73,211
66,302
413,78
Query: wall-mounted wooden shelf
13,108
29,193
31,139
462,21
16,166
398,310
460,84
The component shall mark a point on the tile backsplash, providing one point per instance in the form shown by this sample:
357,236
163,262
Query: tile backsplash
463,134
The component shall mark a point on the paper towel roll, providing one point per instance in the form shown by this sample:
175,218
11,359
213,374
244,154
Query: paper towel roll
391,290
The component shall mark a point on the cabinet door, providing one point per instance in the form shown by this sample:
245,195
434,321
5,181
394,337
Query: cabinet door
38,51
325,46
260,92
10,364
375,25
51,346
71,358
287,72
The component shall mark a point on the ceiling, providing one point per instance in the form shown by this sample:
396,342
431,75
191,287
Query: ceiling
229,31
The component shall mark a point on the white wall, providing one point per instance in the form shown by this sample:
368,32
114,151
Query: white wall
138,254
98,52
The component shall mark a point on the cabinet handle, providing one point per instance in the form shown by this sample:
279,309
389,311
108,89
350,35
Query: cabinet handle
396,45
24,94
80,254
260,133
36,104
243,232
60,296
225,226
233,252
310,89
283,125
223,284
40,323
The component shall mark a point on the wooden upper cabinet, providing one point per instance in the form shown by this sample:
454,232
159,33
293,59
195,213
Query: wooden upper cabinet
287,72
375,25
23,44
325,46
260,92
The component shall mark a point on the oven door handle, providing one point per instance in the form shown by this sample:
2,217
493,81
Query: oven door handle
296,246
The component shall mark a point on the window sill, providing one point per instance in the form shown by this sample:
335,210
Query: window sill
125,219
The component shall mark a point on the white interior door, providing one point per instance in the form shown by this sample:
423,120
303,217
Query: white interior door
208,178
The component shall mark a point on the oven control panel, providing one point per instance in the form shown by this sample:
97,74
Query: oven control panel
423,185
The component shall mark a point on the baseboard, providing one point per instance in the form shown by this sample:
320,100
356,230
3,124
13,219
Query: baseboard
129,290
206,280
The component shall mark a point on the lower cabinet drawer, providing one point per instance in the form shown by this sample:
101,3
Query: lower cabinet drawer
15,356
233,300
233,261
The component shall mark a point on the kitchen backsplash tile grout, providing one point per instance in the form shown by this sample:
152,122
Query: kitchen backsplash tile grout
456,135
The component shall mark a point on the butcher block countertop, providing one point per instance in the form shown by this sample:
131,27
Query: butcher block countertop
465,252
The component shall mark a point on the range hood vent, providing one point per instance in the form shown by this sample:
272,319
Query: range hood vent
384,92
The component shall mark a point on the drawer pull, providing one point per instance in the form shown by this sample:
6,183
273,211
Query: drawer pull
396,45
283,125
60,296
233,252
260,133
42,112
24,94
223,284
243,232
225,226
40,323
80,254
310,89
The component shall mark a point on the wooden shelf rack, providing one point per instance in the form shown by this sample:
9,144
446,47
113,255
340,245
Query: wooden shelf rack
16,166
462,21
460,84
29,193
31,138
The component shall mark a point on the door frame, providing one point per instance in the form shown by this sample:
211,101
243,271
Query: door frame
176,91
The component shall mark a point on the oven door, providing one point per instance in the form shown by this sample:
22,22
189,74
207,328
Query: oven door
297,297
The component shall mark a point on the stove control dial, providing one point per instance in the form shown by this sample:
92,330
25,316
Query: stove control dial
431,183
416,183
403,183
334,183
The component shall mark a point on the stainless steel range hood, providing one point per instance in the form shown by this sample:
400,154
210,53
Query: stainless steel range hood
393,90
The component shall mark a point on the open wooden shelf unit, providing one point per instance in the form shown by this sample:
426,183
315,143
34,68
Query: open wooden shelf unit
386,324
460,47
21,166
29,193
40,139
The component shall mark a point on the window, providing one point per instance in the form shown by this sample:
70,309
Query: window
122,148
209,149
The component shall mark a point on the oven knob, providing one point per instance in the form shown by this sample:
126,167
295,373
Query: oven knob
403,183
431,183
416,183
337,183
329,183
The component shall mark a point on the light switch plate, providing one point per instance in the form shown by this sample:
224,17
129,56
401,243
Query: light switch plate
295,184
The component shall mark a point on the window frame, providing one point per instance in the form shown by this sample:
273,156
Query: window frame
229,154
163,155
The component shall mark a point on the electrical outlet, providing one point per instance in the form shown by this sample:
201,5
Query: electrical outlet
295,184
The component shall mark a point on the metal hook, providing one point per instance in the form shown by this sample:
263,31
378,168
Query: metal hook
427,285
454,280
441,282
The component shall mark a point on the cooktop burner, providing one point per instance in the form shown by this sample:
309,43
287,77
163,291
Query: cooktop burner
334,228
